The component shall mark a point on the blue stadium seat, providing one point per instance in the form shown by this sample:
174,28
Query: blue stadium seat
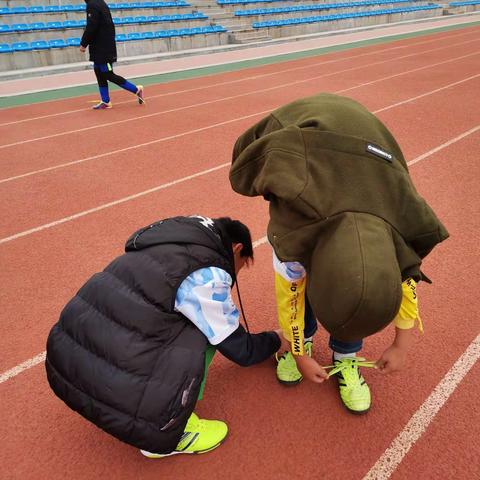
73,41
161,34
39,45
35,9
21,47
5,48
57,43
74,8
121,37
52,8
18,10
134,36
140,19
5,29
153,18
70,24
4,11
127,20
38,26
146,35
54,25
20,27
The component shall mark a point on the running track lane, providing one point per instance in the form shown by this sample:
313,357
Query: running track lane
154,121
129,168
11,262
240,79
384,396
45,110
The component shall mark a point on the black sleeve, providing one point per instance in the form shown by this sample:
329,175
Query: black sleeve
93,21
247,349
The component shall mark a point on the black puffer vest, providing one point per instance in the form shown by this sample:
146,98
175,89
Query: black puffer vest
120,355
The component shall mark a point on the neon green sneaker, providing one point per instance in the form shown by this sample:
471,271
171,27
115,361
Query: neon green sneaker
354,391
287,371
200,436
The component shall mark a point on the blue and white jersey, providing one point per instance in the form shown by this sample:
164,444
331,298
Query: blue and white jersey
204,297
290,271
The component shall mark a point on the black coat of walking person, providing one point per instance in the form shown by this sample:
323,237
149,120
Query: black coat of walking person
99,33
99,36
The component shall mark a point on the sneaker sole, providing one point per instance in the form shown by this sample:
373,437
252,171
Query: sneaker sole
356,412
290,383
200,452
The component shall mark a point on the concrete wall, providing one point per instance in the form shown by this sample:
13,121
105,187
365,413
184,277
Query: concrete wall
59,56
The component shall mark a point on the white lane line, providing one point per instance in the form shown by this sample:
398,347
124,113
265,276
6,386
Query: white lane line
444,145
413,430
13,372
189,177
126,149
112,204
255,77
260,241
253,92
412,99
113,152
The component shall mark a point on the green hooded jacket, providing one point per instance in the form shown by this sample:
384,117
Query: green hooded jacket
342,203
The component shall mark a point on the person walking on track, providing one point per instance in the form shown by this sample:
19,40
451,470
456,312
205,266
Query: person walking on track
99,36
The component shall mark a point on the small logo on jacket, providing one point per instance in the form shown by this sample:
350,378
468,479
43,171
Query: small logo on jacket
205,221
379,152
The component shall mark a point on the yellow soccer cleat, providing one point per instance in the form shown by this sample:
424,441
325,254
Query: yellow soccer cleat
200,436
287,371
354,391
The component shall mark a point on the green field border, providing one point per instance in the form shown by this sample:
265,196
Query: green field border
70,92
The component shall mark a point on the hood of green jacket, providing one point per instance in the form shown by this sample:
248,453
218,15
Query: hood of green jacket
341,198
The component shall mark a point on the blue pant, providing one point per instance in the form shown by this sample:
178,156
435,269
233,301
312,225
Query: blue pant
104,74
336,345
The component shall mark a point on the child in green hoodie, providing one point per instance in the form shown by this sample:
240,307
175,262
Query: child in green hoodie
348,229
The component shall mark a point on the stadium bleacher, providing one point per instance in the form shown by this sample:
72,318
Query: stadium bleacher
341,16
81,7
149,27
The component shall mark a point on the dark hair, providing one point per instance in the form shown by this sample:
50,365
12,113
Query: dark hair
236,232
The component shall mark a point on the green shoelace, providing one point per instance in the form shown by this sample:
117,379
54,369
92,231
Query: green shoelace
348,363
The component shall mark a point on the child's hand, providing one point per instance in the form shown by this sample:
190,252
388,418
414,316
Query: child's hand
285,344
310,369
392,359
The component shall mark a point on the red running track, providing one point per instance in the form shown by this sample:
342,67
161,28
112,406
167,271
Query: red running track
76,183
